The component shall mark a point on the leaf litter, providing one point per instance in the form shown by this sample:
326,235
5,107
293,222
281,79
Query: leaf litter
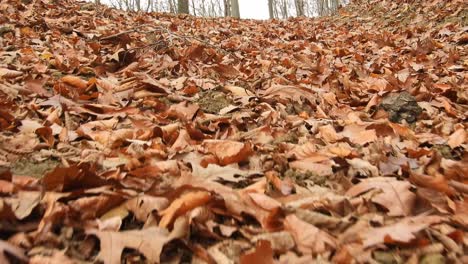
157,138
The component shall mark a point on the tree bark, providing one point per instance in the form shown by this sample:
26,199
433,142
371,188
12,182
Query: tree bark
227,8
183,7
270,9
299,7
235,12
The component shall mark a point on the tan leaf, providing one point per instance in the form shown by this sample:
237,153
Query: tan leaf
329,134
402,231
7,73
228,151
318,168
148,242
395,195
238,91
358,134
309,239
457,138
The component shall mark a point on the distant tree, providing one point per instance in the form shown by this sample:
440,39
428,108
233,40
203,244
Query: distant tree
299,7
227,8
270,8
235,12
183,7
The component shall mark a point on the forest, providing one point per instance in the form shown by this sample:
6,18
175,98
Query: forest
178,132
279,9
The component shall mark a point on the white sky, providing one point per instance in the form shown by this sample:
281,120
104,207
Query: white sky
257,9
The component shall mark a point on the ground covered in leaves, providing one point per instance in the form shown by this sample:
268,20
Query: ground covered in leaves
139,138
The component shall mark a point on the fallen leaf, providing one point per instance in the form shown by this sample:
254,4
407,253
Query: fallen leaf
183,204
148,242
394,195
309,239
402,231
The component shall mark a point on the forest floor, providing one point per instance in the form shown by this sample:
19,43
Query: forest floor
129,137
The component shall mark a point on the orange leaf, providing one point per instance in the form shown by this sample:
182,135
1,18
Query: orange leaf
263,254
182,205
75,82
228,151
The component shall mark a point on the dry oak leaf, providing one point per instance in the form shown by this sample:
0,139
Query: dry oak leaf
183,204
24,204
293,93
7,73
148,242
228,151
238,91
75,81
77,176
263,254
402,231
359,134
362,167
457,138
395,195
309,239
144,205
328,133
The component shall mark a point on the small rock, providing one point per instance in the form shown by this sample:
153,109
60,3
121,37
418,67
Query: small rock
402,106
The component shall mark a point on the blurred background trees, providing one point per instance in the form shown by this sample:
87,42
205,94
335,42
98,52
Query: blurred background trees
279,9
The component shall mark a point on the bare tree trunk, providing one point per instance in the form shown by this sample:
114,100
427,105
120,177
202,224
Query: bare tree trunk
235,8
193,8
270,8
284,9
172,6
320,7
227,8
183,7
299,7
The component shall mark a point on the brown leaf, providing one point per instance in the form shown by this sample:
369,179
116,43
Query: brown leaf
10,250
402,231
148,242
263,254
75,81
183,204
394,195
78,176
309,239
457,138
7,73
228,151
359,134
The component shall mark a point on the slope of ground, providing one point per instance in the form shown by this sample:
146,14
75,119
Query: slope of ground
159,138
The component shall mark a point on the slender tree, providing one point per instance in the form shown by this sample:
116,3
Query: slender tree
183,7
270,8
235,12
299,7
227,8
